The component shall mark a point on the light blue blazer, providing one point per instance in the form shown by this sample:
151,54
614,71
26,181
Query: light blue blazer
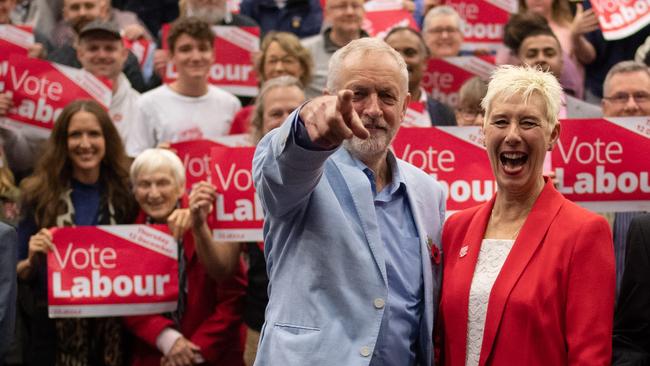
325,257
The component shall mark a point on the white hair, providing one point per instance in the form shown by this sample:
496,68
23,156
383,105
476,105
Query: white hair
363,46
624,67
155,160
438,11
509,80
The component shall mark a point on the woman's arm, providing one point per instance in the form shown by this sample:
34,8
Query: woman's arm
219,258
585,21
590,295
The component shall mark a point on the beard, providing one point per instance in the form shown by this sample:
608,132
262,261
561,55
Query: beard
210,14
376,145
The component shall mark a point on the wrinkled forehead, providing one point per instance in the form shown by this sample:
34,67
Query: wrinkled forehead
70,3
356,62
635,81
443,20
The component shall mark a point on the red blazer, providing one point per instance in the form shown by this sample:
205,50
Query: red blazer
553,301
213,318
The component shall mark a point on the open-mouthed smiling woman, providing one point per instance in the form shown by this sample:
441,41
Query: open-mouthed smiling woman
528,276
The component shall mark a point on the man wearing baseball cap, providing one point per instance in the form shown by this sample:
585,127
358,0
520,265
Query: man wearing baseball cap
101,52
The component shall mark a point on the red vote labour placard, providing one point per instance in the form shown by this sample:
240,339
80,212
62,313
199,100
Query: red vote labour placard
384,15
117,270
444,76
41,89
234,49
14,40
238,215
483,22
196,158
455,156
603,164
621,18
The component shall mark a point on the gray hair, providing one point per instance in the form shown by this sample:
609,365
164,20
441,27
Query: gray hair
509,80
442,10
155,160
257,120
363,46
624,67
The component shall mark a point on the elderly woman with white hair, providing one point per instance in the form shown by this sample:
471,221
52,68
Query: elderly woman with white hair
528,276
207,326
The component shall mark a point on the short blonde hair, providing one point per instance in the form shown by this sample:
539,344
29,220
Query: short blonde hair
155,160
509,80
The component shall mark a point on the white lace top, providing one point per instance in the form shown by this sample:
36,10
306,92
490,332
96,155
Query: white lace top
491,257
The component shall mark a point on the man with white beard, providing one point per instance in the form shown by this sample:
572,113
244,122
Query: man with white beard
351,233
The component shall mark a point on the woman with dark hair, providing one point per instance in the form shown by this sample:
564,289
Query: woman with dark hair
81,179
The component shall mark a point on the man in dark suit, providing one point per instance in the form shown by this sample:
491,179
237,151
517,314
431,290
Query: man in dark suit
7,286
632,317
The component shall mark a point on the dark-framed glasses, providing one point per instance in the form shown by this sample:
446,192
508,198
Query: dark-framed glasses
622,98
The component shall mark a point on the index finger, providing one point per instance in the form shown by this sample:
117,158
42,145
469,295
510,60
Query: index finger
349,115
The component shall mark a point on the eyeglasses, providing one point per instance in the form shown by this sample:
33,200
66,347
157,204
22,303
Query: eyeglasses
622,98
287,60
441,30
344,6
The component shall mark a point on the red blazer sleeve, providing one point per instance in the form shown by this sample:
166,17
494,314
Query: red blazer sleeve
148,327
590,296
215,334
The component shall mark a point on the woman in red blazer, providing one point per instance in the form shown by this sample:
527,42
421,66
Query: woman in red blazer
208,327
528,276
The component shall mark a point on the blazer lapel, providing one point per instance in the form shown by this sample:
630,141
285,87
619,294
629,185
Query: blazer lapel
358,186
465,263
531,236
418,211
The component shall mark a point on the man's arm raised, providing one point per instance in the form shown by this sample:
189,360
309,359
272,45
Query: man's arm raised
331,119
289,161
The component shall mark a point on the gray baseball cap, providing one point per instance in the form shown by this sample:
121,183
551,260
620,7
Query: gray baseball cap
100,26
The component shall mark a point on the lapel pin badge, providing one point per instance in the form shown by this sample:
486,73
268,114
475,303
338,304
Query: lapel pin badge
463,251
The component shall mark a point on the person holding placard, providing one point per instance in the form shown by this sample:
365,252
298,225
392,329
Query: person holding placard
81,179
528,276
207,326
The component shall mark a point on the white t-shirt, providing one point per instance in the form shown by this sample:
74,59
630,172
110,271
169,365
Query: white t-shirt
124,108
166,116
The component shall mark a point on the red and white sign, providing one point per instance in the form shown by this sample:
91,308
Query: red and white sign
195,155
238,212
416,115
234,50
621,18
14,40
384,15
444,76
455,156
603,164
196,158
114,270
483,22
41,89
142,48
